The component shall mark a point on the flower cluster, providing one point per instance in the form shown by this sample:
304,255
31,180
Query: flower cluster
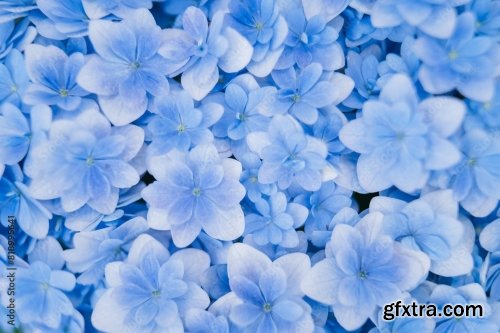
269,166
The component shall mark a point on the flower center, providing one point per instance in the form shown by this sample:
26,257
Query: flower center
45,286
259,26
304,38
90,160
201,50
296,98
156,293
63,92
240,116
253,179
453,55
13,88
181,128
472,161
135,65
363,275
196,191
267,307
487,106
400,136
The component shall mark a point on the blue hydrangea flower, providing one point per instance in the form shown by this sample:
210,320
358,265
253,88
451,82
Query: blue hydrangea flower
429,224
120,8
276,221
323,206
363,269
53,74
60,20
327,129
198,51
18,134
288,155
74,323
490,273
310,40
401,140
249,178
363,69
13,78
406,63
435,18
15,9
199,321
14,35
358,27
244,102
15,134
487,13
88,219
467,294
179,124
93,250
41,288
15,200
474,181
489,236
260,22
152,290
266,296
303,93
85,161
194,191
464,62
487,113
127,68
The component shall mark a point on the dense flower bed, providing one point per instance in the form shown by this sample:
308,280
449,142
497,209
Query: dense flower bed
249,165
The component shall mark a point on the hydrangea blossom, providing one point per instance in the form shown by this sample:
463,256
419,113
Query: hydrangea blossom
179,124
15,36
245,104
276,221
266,296
464,62
59,20
260,22
53,84
15,134
85,161
475,179
248,165
198,51
397,136
13,78
152,290
288,155
194,191
127,68
363,269
429,224
41,287
435,18
112,244
310,40
32,217
363,69
14,9
303,93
